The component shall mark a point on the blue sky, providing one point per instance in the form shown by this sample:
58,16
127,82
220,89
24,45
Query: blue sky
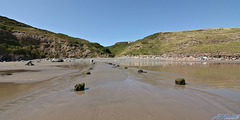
111,21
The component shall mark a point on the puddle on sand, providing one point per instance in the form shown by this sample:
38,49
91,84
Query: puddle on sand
10,72
74,66
214,75
11,90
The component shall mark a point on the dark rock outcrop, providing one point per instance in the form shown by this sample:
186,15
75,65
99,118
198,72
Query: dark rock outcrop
29,63
180,81
88,73
141,71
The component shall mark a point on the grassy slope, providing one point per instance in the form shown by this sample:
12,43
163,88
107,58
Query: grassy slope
118,48
216,41
9,44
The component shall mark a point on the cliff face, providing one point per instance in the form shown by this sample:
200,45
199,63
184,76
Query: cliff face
53,46
19,41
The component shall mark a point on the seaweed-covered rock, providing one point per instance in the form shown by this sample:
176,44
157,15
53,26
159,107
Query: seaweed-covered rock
79,87
88,73
29,63
180,81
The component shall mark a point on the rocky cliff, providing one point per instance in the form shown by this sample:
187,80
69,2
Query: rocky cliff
20,41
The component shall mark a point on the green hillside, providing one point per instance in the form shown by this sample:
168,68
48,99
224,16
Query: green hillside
192,42
118,47
25,42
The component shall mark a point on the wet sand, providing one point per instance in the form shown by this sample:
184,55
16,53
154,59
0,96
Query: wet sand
18,82
20,73
120,94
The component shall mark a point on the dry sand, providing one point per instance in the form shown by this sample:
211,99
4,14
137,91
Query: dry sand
116,94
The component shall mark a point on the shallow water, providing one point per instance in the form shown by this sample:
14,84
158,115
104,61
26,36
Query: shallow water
214,75
221,81
11,72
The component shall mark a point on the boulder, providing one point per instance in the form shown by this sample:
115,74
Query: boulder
140,71
180,81
125,67
29,63
79,87
6,74
57,60
88,73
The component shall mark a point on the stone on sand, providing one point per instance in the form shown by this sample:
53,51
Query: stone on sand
79,87
180,81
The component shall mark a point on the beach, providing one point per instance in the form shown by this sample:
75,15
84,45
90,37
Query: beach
46,92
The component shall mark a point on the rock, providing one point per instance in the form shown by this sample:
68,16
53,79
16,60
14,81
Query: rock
88,73
6,74
140,71
91,61
125,67
118,66
29,63
57,60
79,87
180,81
90,68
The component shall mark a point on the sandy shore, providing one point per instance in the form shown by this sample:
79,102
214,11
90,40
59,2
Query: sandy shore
118,94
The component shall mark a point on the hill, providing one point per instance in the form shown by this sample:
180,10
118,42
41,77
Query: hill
118,47
20,41
209,42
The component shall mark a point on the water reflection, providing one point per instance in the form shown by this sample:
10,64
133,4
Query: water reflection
180,86
10,72
79,92
75,66
9,90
